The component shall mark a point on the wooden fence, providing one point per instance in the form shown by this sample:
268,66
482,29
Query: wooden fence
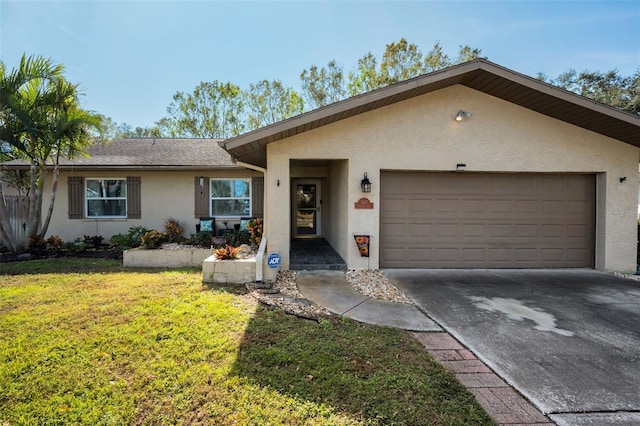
18,215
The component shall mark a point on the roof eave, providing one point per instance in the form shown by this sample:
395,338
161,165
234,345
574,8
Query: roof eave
251,147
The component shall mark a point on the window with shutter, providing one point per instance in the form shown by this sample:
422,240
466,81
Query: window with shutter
104,198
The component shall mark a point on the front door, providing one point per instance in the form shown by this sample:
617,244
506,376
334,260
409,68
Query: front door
306,208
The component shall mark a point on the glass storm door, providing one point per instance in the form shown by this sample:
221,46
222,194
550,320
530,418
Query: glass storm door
306,209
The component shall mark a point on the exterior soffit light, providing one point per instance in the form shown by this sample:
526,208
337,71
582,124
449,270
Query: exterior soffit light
462,115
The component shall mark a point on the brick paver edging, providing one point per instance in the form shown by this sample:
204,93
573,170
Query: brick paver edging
500,401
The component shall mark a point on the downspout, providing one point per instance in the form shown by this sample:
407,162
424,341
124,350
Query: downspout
263,244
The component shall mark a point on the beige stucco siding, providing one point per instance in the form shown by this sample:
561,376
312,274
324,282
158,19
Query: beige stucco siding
164,194
421,134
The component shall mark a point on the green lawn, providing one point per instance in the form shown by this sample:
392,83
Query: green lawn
91,343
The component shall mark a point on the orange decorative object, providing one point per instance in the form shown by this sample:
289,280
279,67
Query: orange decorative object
362,241
363,203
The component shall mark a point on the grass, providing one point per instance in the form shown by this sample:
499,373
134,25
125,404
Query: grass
91,343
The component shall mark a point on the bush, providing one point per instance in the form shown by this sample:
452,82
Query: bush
174,230
152,239
54,243
75,246
36,244
131,239
255,229
227,252
94,241
237,238
202,239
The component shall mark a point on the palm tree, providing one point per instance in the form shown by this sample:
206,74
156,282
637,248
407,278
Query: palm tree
41,119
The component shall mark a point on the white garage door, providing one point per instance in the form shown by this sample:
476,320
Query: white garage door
486,220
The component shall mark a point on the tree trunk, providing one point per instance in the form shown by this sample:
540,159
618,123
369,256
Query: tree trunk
32,199
52,200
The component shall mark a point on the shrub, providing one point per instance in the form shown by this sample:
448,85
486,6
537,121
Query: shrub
36,243
202,239
227,252
131,239
75,246
54,243
174,230
93,241
152,239
255,230
236,238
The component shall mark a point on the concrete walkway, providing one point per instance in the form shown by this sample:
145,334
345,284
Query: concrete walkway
504,404
330,290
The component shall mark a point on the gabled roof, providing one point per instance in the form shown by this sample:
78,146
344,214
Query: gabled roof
152,153
478,74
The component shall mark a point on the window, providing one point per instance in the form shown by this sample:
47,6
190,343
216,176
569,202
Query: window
106,198
230,197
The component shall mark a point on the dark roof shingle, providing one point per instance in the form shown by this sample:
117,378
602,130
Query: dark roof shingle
154,153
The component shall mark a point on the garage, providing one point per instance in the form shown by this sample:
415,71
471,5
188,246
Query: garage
487,220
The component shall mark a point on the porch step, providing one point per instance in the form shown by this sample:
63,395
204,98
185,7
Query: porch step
314,255
318,267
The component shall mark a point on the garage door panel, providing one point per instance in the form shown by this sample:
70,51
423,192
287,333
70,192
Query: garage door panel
420,230
478,220
577,231
420,255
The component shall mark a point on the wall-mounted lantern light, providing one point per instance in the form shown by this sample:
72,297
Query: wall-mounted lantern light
462,115
365,183
461,167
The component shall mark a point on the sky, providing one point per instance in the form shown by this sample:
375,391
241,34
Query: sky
130,57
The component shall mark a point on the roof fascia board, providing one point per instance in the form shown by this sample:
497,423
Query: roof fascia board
242,141
558,92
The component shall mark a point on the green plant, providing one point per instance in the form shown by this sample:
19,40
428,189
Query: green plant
93,241
227,252
202,239
54,243
236,238
36,243
173,230
75,246
152,239
255,230
132,239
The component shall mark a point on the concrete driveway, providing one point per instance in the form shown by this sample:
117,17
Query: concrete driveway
569,340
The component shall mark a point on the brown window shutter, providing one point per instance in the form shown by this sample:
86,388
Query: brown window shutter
76,197
134,198
257,197
201,197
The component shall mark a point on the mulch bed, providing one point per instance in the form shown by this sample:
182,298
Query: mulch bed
87,254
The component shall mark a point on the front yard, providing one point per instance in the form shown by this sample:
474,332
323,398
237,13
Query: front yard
87,342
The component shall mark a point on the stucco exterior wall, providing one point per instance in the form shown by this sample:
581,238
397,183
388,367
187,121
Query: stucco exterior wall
336,222
421,134
164,194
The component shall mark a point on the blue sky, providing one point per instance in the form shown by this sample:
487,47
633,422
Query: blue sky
132,56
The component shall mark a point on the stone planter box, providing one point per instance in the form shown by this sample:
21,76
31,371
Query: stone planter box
235,271
165,258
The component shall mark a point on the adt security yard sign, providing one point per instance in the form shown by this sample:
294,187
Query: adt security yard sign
273,260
